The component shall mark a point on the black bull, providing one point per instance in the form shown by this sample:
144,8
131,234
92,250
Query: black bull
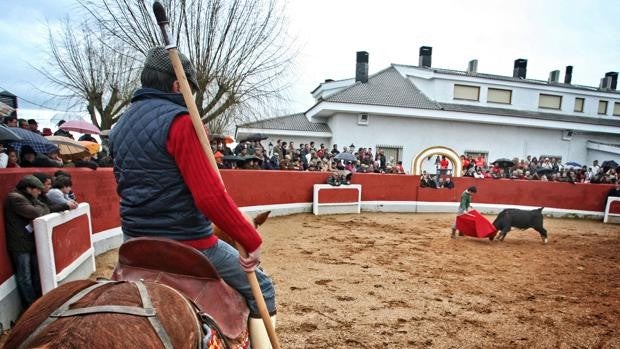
522,219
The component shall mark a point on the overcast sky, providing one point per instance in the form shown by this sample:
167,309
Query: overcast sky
327,33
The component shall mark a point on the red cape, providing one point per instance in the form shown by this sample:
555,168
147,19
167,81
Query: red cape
474,224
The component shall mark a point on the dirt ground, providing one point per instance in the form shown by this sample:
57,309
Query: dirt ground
383,280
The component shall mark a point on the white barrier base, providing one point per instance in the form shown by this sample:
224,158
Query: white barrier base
611,217
10,304
319,208
107,240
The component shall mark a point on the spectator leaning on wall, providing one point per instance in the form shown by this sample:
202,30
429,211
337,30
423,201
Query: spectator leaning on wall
21,207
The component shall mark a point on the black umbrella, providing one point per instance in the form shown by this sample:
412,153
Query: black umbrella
7,135
345,157
544,171
609,164
503,162
256,137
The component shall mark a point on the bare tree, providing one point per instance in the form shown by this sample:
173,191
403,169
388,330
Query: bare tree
93,69
238,48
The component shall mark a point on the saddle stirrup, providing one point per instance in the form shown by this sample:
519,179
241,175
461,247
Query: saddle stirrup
258,333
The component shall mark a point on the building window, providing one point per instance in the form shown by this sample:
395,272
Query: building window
617,109
393,153
497,95
550,101
579,104
362,119
602,107
469,93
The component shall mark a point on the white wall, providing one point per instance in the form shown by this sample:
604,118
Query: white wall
415,135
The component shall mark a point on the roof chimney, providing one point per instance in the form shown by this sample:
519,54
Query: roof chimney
426,52
472,67
554,77
568,76
361,67
614,79
605,83
520,68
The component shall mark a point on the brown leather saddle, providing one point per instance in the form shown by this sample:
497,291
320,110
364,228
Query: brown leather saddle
188,271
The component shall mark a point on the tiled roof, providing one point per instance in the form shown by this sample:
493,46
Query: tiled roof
293,122
387,88
528,114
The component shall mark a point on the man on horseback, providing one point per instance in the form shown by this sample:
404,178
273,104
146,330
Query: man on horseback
168,188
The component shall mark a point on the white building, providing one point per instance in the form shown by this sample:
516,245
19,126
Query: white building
414,112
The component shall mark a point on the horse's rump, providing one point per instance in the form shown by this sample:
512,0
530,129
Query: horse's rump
108,329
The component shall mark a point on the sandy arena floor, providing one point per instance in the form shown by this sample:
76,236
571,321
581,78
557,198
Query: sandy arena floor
398,281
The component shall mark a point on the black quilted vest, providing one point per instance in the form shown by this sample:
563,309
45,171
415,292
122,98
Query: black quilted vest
154,198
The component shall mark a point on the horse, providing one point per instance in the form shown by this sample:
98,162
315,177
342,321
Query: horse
153,303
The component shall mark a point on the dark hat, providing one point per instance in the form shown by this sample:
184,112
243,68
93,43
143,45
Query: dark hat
32,122
60,123
157,59
30,181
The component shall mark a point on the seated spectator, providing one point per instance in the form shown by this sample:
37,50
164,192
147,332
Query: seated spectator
13,160
30,158
447,183
86,161
33,126
399,167
425,180
61,188
46,132
478,174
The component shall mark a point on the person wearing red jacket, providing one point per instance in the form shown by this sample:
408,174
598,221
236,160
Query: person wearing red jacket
169,189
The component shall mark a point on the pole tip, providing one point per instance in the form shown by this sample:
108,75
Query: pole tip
160,12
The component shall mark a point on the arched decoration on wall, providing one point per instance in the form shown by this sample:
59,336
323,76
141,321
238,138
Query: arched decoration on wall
450,154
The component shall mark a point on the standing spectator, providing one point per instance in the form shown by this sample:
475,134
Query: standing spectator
33,126
335,150
23,123
481,161
47,181
464,206
61,132
10,121
4,157
88,138
382,160
595,167
443,166
21,207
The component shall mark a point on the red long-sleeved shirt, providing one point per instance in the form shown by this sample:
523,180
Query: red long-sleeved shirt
207,189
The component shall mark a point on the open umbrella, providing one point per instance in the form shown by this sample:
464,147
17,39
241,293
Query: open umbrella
609,164
503,162
92,147
255,137
345,157
572,164
34,140
544,171
66,145
6,134
80,126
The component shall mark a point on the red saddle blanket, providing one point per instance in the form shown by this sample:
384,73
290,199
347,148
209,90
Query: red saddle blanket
189,272
474,224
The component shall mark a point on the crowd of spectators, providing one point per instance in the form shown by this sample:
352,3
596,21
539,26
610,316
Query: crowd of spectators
26,156
251,154
544,169
531,168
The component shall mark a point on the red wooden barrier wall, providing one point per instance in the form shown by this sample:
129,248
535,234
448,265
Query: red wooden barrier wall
251,188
